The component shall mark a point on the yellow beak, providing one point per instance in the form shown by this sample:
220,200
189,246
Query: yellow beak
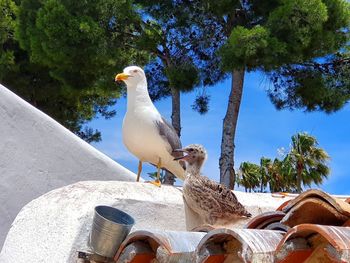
121,76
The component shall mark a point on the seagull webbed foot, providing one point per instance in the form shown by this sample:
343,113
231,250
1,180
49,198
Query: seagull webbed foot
155,182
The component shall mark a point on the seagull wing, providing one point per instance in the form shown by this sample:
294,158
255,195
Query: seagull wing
169,135
225,198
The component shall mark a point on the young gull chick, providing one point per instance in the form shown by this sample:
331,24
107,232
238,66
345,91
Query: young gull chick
210,200
146,134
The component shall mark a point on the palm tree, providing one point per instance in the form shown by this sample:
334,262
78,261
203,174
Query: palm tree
265,166
273,174
249,176
308,160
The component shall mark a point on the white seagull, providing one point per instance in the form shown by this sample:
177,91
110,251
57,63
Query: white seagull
146,134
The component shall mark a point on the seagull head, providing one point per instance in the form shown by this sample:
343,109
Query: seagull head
132,76
193,154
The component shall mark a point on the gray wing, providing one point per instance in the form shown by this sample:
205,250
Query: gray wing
168,133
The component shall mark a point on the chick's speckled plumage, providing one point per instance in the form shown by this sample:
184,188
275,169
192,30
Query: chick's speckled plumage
212,201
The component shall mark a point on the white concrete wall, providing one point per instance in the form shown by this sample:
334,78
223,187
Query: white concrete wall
37,154
53,227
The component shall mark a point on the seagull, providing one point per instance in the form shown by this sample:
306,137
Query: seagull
146,134
210,200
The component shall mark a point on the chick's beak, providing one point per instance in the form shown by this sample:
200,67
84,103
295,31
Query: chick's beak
177,151
121,76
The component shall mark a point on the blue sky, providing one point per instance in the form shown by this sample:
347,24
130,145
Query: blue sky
260,132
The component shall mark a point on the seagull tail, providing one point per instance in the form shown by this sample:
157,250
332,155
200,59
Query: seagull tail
177,170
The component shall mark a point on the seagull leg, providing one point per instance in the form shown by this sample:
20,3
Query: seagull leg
158,171
157,181
139,171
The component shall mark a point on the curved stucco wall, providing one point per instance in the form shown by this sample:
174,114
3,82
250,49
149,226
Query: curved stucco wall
53,227
37,154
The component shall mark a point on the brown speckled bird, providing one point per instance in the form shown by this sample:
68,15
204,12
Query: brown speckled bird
210,200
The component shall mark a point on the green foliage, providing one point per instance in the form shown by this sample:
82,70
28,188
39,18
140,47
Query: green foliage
309,162
280,175
183,77
66,54
81,42
248,41
309,84
313,86
72,108
264,172
249,176
297,23
150,37
182,61
221,8
7,26
251,48
274,37
201,104
305,163
276,174
277,36
291,31
69,51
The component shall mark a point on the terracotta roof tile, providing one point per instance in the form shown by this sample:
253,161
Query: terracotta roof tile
203,228
347,223
249,245
347,200
265,219
338,204
283,205
313,227
310,237
316,207
158,244
278,226
315,211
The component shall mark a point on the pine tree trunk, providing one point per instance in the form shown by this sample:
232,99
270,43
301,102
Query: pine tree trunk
299,173
176,122
175,114
227,173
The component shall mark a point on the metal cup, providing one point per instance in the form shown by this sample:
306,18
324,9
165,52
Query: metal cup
109,229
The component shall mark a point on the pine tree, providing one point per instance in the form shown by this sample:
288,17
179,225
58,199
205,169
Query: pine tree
277,37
